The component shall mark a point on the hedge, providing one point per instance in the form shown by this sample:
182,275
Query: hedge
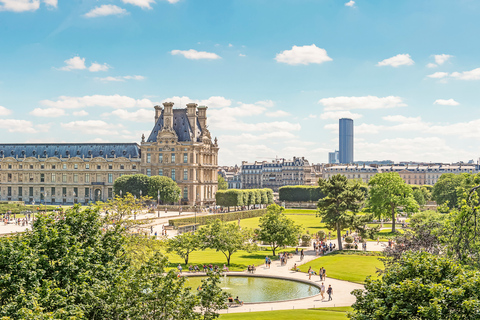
300,193
243,197
230,216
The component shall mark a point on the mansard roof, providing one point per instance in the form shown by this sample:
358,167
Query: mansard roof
181,125
65,150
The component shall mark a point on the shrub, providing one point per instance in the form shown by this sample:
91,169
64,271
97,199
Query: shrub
349,239
306,240
230,216
300,193
321,234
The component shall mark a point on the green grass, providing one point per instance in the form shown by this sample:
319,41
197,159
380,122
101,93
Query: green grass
239,261
304,314
300,211
346,266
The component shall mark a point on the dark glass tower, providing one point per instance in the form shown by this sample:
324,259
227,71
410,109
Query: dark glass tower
345,140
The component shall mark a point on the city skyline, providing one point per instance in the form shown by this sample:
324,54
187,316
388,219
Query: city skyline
275,76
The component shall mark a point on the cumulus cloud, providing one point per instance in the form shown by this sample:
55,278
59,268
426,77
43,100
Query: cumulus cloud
144,4
4,111
467,130
105,10
95,67
303,55
397,61
277,114
75,63
442,58
196,55
97,127
212,102
350,3
48,112
444,102
113,101
338,115
438,75
365,102
242,55
51,3
14,125
467,75
121,78
19,5
81,113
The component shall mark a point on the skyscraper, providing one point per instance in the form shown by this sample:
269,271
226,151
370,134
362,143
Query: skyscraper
345,140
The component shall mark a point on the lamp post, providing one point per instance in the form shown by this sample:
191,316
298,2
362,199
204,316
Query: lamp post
158,203
195,226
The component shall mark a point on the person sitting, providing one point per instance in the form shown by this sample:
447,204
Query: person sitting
295,268
253,268
190,268
196,268
225,268
230,301
249,269
237,301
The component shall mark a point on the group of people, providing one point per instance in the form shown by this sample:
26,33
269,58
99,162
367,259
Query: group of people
329,291
283,257
320,247
251,268
205,268
322,273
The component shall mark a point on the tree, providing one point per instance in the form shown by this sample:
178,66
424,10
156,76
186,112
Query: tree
342,200
420,286
131,184
169,190
388,191
418,195
183,244
121,209
277,230
222,184
212,297
445,189
227,238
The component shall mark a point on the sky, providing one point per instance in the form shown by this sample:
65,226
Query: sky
276,75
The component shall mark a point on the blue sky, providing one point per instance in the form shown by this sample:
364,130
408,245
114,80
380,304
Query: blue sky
276,75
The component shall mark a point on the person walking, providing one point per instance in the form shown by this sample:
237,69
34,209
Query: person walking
310,271
302,255
330,292
322,291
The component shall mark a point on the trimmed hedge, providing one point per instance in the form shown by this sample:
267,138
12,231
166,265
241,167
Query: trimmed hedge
300,193
243,197
230,216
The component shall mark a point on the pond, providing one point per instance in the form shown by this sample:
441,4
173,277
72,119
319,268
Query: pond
257,289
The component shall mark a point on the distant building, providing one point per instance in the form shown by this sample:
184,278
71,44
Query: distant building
333,157
345,141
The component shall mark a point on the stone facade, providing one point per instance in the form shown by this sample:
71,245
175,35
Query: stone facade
179,147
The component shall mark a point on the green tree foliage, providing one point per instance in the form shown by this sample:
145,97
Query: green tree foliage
277,230
300,193
131,184
120,210
419,197
445,189
341,202
388,191
212,298
227,238
222,184
420,286
243,197
183,244
169,190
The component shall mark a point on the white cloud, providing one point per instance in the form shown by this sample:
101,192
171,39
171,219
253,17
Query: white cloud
277,114
97,127
121,78
338,115
350,3
144,4
19,5
365,102
141,115
303,55
173,1
396,61
441,58
48,112
113,101
81,113
105,10
467,75
75,63
230,45
95,67
431,65
467,130
449,102
212,102
14,125
51,3
266,103
242,55
438,75
4,111
195,55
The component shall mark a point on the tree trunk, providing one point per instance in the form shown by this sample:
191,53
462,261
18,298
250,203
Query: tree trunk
393,218
339,237
186,259
228,260
273,250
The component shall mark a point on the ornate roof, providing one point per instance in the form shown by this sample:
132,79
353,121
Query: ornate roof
65,150
181,126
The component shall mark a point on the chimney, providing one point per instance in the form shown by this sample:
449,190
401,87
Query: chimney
158,112
192,117
168,115
202,116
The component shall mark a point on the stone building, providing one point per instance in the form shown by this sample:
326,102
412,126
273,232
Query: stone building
179,146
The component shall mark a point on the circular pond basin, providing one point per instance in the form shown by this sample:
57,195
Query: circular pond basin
258,289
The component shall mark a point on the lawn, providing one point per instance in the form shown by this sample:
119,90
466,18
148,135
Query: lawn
300,211
304,314
345,266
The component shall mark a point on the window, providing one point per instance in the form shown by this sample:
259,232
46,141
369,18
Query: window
64,191
87,193
110,193
110,178
30,191
9,177
185,193
160,172
110,167
75,166
53,177
134,167
20,191
75,192
99,167
75,177
122,167
185,157
31,166
149,172
87,177
64,166
9,191
53,191
160,158
173,157
42,177
87,166
99,178
173,174
42,166
185,174
64,177
149,157
20,166
53,166
30,177
9,166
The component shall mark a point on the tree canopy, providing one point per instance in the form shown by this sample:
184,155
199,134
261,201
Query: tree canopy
133,184
222,184
167,188
342,201
183,244
388,191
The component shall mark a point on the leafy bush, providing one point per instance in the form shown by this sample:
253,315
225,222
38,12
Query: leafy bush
300,193
321,234
306,238
243,197
349,239
230,216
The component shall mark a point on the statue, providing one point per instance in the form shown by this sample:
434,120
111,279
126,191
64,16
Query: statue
143,137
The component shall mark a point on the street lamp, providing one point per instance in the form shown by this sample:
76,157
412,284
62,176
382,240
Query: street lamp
158,203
